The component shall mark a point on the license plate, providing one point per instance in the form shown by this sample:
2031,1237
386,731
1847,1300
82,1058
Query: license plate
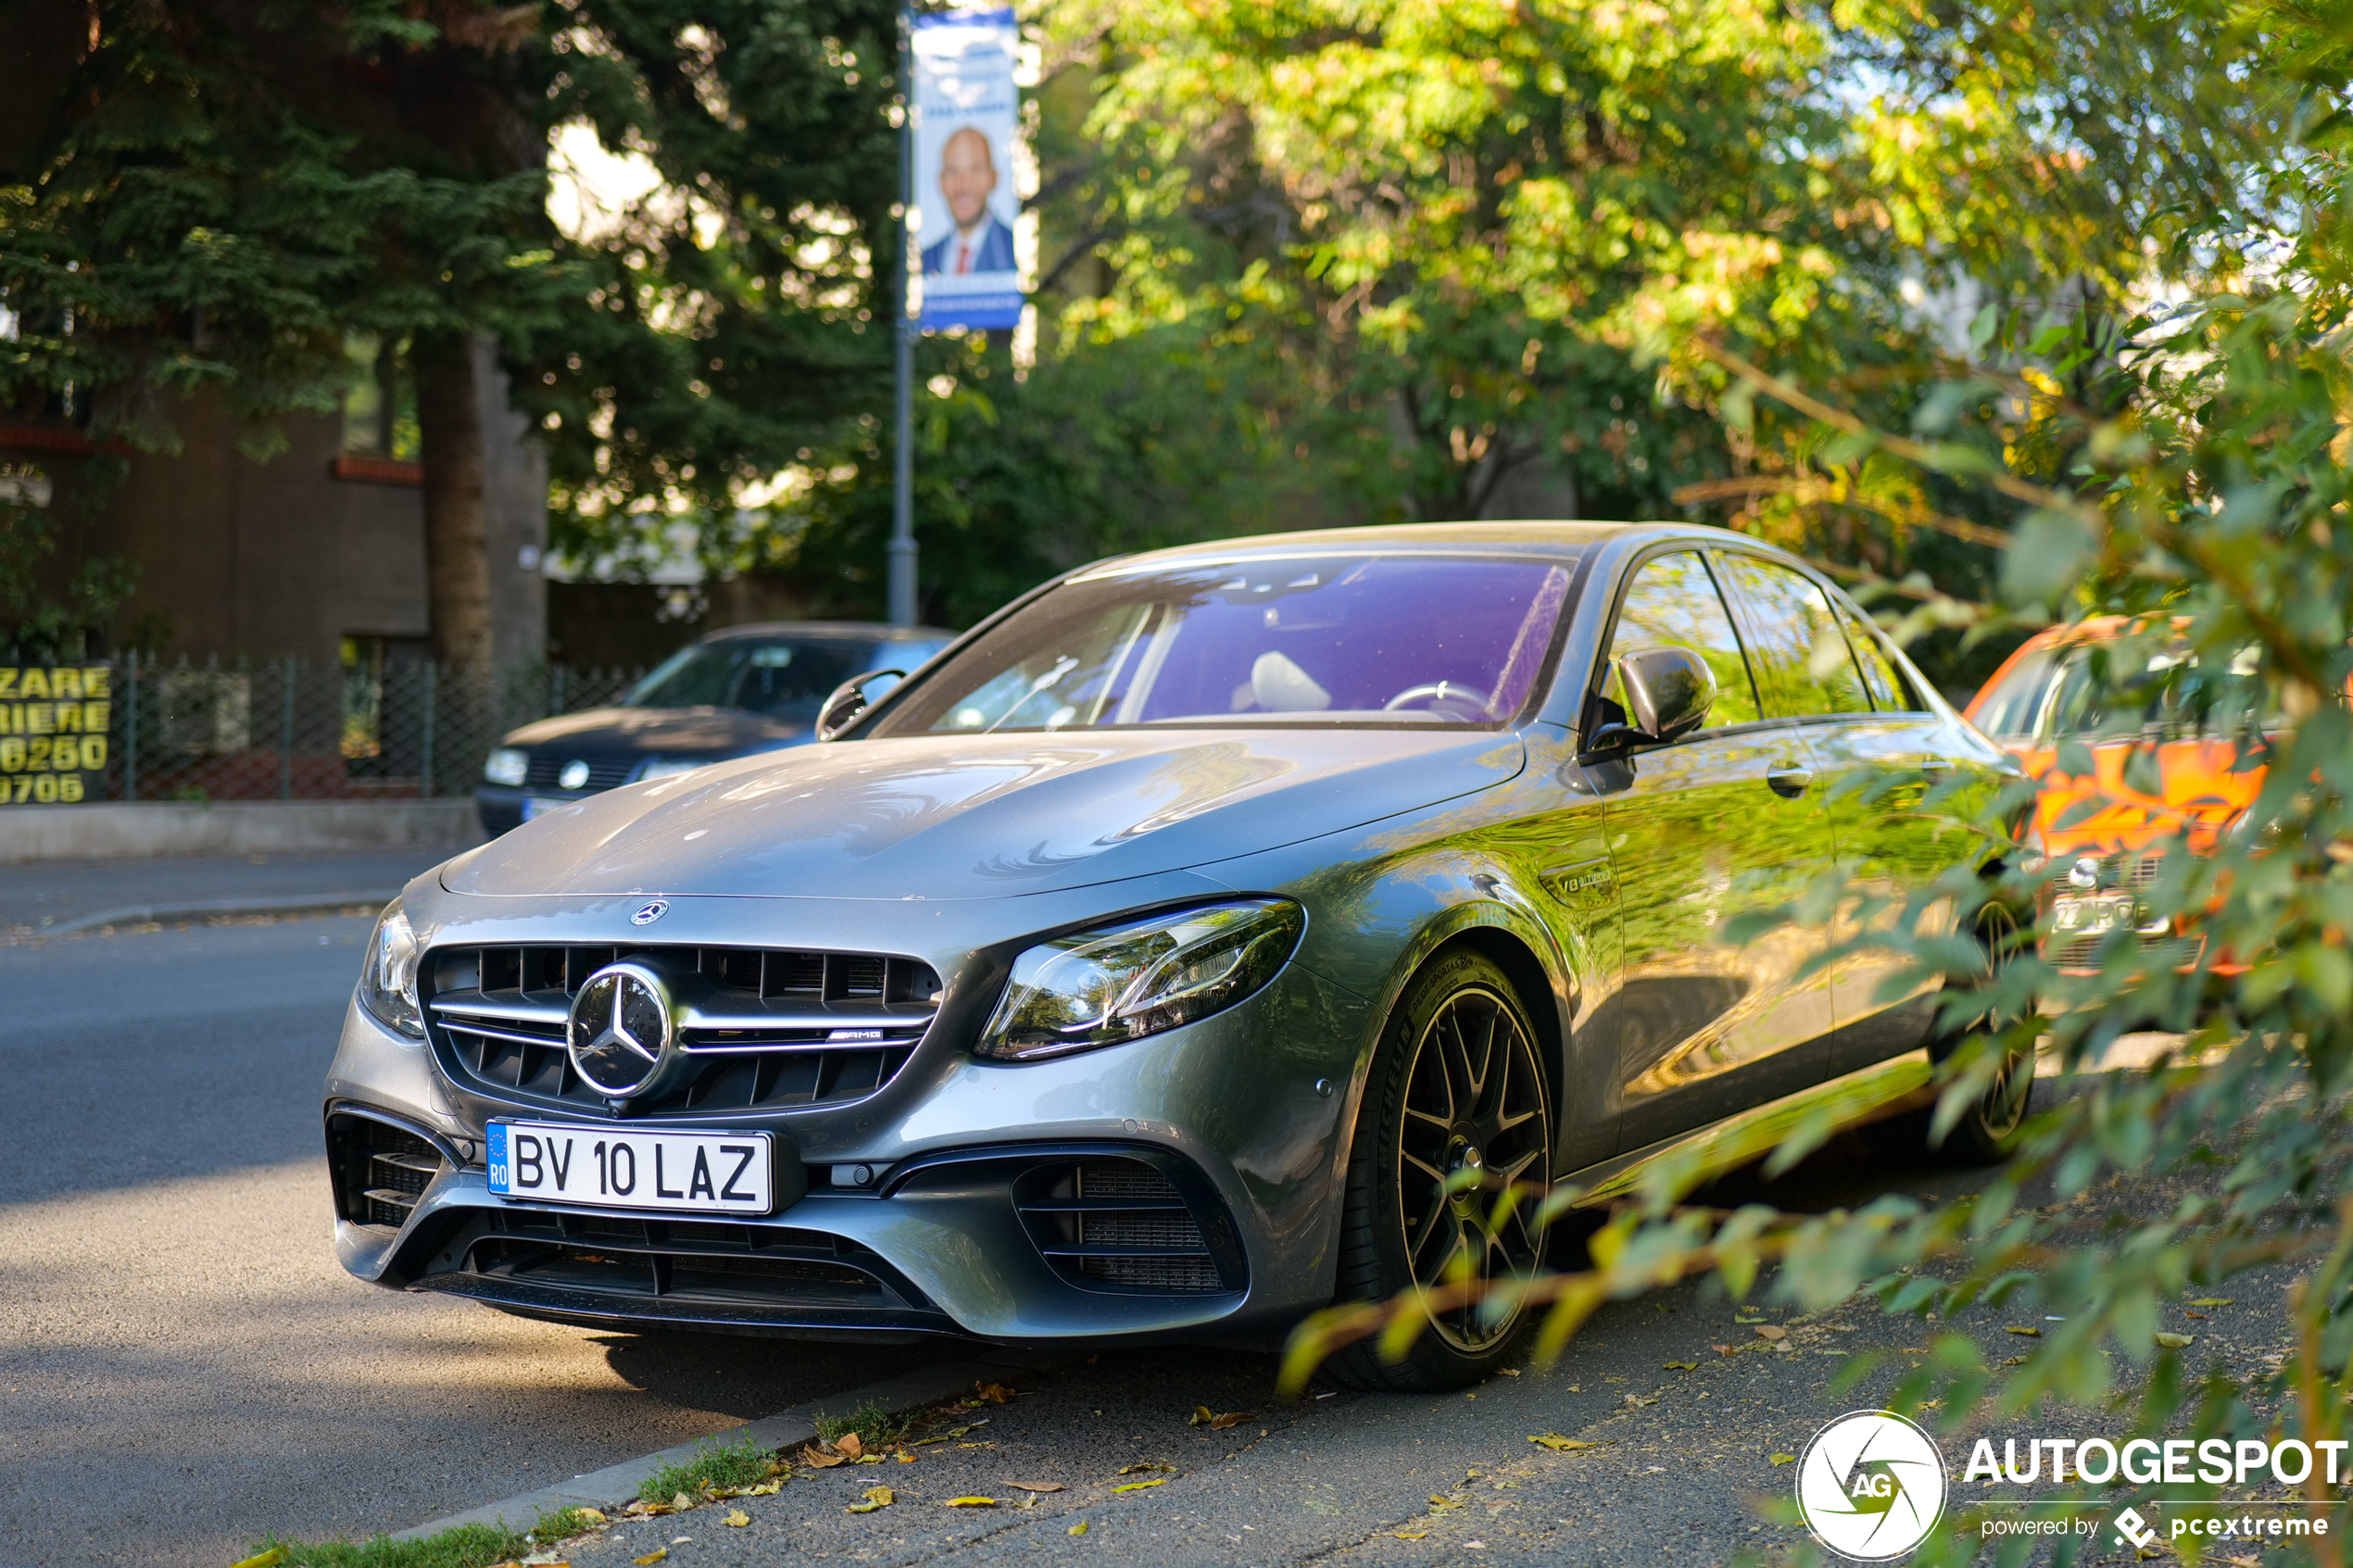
2096,915
685,1173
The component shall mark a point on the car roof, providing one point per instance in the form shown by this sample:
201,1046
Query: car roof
865,631
1513,538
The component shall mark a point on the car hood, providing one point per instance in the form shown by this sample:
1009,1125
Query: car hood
980,816
676,731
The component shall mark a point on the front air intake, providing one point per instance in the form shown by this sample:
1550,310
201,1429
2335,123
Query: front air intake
1119,1225
379,1170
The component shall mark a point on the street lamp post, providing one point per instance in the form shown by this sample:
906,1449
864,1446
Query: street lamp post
903,490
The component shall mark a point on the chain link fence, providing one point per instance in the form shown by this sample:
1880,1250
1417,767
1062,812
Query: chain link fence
298,730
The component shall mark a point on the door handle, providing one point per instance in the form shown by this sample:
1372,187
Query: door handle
1789,780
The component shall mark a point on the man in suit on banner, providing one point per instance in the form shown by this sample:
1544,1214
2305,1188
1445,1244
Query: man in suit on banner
967,179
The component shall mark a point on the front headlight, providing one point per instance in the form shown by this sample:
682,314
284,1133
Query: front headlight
388,975
663,767
1121,982
506,766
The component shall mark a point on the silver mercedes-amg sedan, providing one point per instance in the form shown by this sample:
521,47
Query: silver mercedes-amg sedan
1207,937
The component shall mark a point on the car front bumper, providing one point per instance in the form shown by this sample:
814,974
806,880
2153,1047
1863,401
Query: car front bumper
1241,1114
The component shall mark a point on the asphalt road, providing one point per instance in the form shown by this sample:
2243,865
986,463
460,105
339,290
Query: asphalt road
183,1365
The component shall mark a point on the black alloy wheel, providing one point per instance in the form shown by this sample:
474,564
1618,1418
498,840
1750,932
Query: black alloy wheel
1458,1112
1987,1133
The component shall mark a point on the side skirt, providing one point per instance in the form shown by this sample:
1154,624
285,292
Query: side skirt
1869,1094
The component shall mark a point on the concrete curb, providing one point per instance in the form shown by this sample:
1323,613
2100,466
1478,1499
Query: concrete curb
141,830
282,904
616,1485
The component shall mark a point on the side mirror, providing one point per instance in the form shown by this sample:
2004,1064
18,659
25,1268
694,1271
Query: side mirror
849,702
1669,691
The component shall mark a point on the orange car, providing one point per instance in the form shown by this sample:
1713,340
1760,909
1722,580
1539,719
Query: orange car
2163,775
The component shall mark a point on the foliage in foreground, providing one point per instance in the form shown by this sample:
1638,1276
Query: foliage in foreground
468,1545
2183,469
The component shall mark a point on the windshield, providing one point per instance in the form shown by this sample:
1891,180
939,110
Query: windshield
1326,640
784,677
2082,692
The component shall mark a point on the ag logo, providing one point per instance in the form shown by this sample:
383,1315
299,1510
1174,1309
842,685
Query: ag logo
1871,1485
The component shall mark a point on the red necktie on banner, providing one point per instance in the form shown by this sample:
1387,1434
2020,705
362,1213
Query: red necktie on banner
964,258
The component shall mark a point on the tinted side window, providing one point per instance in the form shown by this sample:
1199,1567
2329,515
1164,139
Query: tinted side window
1803,662
1672,602
1889,692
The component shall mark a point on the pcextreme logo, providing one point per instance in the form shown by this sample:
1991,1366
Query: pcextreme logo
1871,1485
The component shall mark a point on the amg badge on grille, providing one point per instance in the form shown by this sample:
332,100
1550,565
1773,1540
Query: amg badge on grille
621,1035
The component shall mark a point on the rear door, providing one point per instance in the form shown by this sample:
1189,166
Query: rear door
1719,822
1877,746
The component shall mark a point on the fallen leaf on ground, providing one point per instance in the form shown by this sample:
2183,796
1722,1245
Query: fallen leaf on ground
2013,1360
594,1516
994,1393
1559,1444
651,1558
1721,1349
1681,1366
852,1445
1411,1535
2212,1302
2201,1317
738,1518
2030,1332
1508,1371
1781,1459
1140,1486
817,1458
877,1497
972,1502
269,1559
1148,1464
1440,1502
681,1503
906,1458
1079,1528
1639,1399
1771,1331
766,1489
1231,1418
2175,1341
1037,1486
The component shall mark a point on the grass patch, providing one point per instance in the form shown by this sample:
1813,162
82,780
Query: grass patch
726,1466
468,1545
875,1426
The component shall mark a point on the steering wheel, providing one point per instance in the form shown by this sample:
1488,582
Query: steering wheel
1437,691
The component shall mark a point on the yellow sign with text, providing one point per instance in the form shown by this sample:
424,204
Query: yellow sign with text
54,722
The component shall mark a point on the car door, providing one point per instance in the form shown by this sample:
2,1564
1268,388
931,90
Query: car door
1716,823
1873,743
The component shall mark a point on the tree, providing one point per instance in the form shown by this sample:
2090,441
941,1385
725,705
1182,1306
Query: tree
210,195
2182,466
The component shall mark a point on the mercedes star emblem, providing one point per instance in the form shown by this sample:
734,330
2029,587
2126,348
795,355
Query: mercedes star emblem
620,1035
648,913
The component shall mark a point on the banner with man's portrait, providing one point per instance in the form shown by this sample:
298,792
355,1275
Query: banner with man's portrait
964,200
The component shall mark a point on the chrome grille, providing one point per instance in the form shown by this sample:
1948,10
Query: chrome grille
1118,1223
761,1028
545,768
2156,951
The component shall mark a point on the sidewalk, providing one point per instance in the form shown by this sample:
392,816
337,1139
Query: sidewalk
49,894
